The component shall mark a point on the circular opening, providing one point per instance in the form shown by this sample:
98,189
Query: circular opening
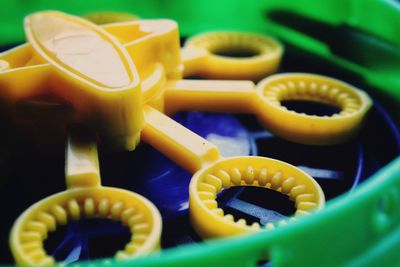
236,52
257,204
311,107
87,239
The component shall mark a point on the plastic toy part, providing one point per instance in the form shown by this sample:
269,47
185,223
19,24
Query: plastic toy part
211,221
344,38
312,129
81,64
89,69
85,198
265,103
213,173
231,55
225,131
119,79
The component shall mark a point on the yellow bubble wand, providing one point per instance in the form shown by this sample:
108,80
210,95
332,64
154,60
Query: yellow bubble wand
120,78
85,198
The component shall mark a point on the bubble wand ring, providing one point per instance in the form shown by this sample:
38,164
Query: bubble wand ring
263,172
212,173
201,55
311,129
265,102
85,198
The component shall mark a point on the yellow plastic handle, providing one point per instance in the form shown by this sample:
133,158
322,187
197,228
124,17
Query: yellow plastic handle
183,146
207,95
82,161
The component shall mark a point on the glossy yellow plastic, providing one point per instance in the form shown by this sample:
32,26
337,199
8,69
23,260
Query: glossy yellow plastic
211,221
264,102
85,198
311,129
154,47
120,79
107,74
104,74
212,173
209,55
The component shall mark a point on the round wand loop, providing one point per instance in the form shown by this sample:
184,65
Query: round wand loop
212,173
231,55
311,129
132,210
210,221
85,198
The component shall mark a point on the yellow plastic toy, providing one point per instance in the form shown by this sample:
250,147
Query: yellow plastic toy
91,71
311,129
212,173
264,102
85,198
108,73
119,79
260,56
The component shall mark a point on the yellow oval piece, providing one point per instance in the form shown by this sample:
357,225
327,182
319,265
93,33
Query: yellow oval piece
93,72
78,47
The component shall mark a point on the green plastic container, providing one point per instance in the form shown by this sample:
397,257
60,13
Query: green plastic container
359,37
